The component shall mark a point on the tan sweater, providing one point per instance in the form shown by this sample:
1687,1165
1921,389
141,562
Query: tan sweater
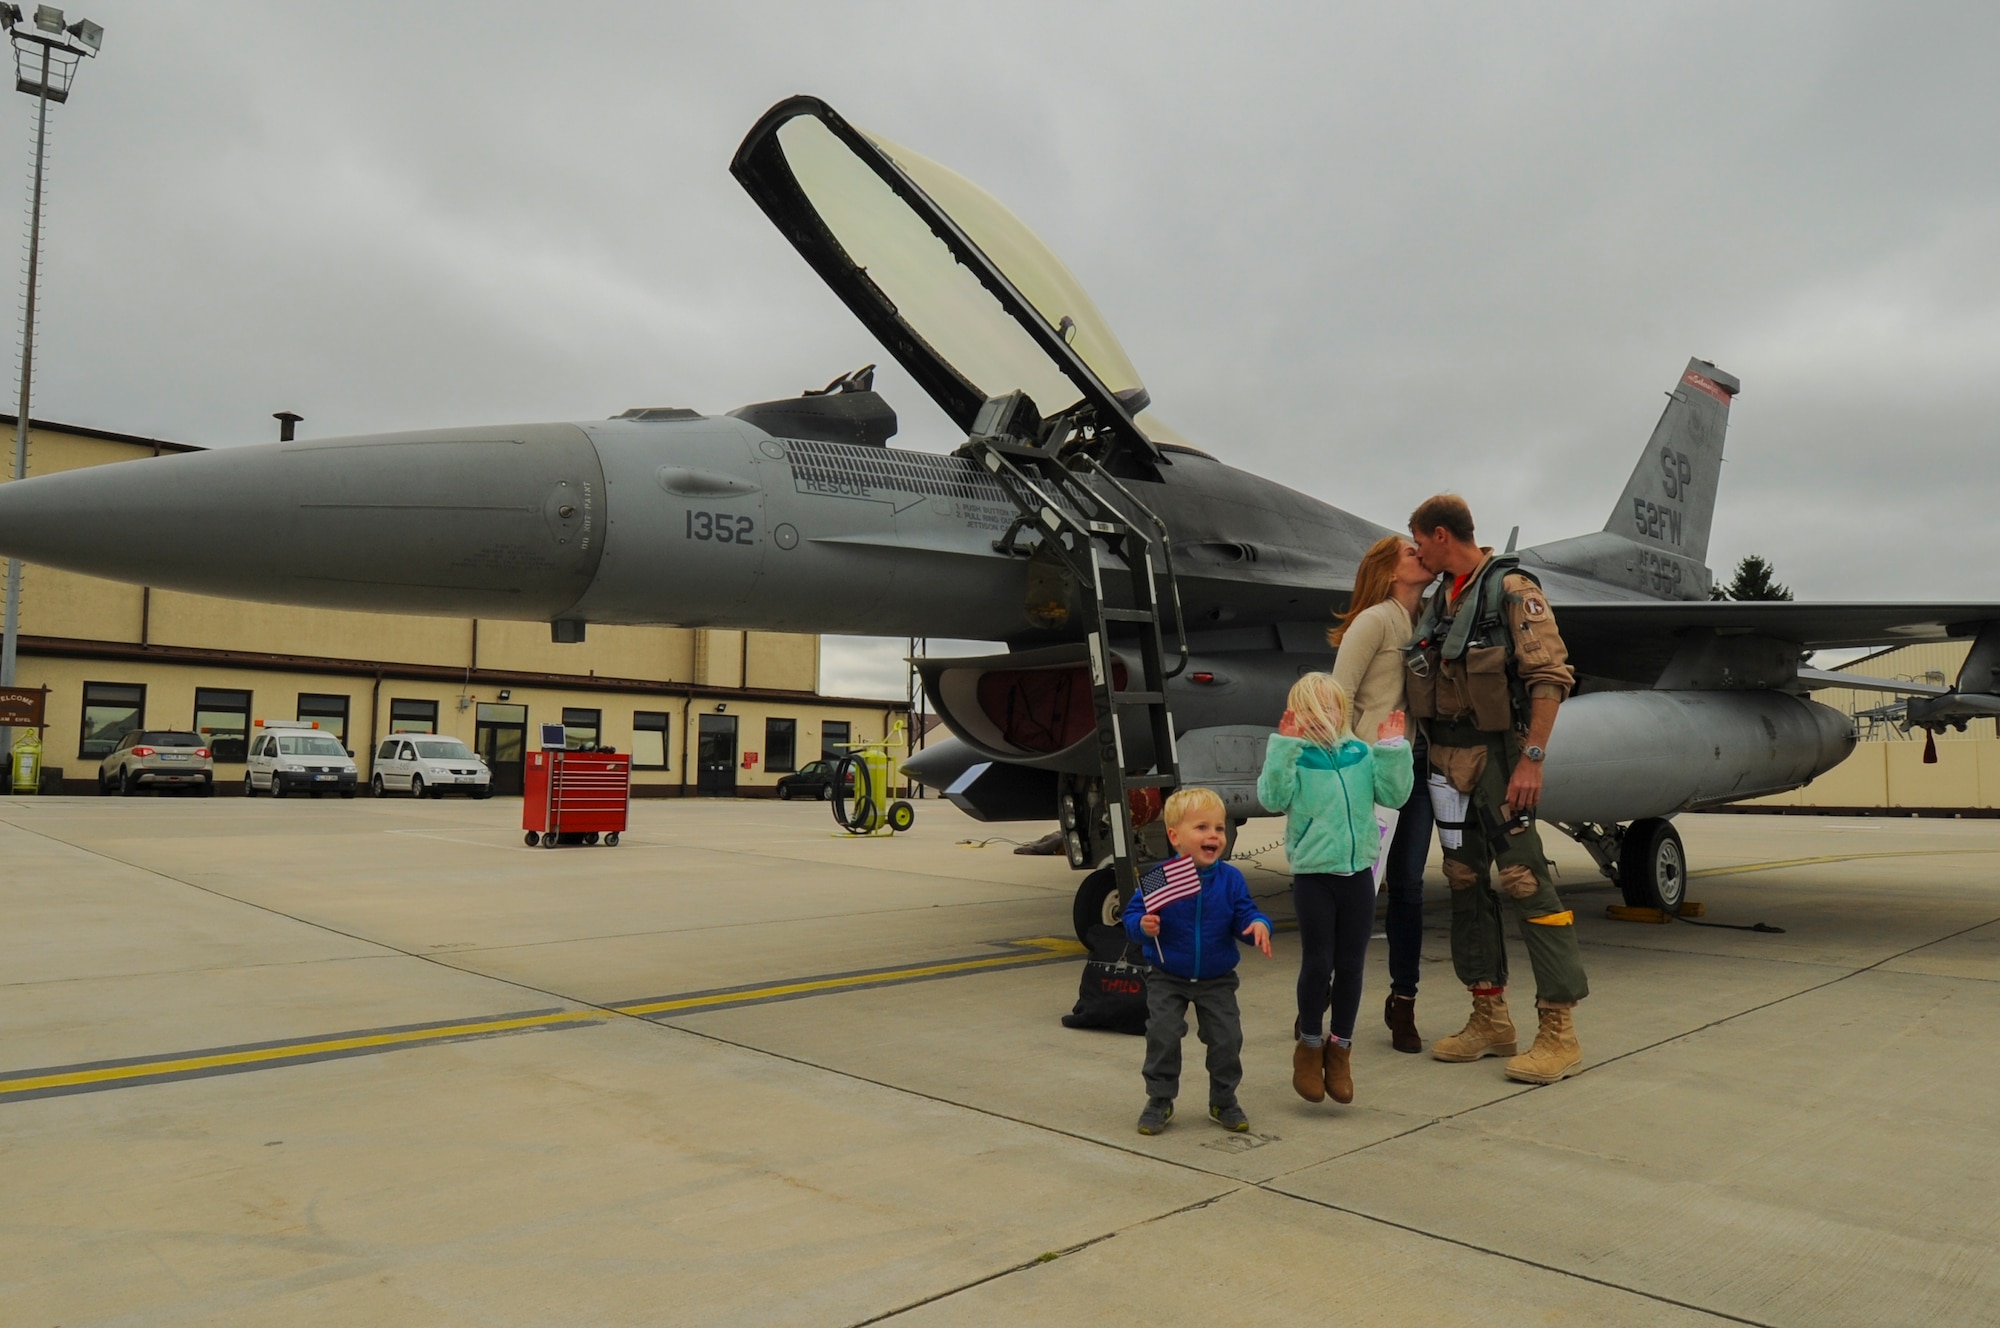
1369,665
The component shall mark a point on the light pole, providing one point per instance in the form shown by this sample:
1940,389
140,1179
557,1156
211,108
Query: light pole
47,52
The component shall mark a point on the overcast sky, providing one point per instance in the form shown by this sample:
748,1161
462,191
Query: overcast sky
1370,251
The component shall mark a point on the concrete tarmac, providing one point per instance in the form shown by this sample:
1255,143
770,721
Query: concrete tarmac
375,1062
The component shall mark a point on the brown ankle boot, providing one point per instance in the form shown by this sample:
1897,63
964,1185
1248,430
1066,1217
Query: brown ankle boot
1400,1013
1489,1032
1309,1072
1555,1054
1339,1072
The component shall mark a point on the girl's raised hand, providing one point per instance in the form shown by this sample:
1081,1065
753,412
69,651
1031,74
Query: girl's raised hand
1288,725
1389,729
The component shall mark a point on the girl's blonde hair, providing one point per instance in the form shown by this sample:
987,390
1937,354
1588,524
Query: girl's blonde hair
1374,581
1320,705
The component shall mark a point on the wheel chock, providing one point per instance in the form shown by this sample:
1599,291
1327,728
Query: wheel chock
1691,910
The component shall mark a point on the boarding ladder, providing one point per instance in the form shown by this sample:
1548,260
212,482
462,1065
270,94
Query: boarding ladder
1048,473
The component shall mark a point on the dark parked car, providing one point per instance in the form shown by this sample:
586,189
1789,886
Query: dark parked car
815,781
160,759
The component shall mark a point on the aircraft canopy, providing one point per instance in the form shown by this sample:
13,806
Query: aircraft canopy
957,287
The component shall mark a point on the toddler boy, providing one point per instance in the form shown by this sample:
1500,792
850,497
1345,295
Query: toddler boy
1186,915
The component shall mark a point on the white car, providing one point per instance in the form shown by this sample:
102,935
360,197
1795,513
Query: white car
425,763
298,760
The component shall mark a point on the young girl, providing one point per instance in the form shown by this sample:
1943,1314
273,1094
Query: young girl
1327,782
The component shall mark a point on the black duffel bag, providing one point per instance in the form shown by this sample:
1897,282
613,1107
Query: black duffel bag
1112,992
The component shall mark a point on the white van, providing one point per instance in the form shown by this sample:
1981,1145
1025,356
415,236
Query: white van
427,763
295,756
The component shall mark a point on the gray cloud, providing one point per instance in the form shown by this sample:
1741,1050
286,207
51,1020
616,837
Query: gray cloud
1368,251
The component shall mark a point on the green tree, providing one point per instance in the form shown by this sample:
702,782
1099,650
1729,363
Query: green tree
1753,581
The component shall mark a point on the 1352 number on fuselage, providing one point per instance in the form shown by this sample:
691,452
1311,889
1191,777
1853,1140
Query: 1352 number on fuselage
721,527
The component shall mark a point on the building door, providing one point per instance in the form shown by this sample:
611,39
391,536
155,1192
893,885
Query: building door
717,756
501,739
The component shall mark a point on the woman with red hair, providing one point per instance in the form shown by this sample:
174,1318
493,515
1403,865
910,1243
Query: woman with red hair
1369,639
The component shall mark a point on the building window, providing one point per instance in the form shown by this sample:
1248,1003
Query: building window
330,712
781,745
581,727
222,715
412,716
833,739
110,711
649,739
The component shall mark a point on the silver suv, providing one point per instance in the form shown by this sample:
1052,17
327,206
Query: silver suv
158,758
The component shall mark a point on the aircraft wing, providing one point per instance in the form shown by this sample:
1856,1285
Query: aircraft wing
1637,639
1811,626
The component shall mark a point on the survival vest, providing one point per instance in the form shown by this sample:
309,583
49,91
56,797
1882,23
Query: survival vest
1480,624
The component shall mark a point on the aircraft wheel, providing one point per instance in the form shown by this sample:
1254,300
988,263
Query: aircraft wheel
611,839
1652,866
901,816
1097,903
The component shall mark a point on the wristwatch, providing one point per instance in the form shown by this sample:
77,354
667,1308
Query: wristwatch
1533,753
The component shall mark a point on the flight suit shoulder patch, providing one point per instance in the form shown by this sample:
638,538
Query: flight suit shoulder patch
1524,592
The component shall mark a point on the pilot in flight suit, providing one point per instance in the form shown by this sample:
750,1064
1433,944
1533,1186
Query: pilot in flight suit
1487,669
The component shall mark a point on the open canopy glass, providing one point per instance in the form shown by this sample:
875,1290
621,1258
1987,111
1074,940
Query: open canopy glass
971,302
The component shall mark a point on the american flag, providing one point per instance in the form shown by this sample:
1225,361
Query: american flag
1178,880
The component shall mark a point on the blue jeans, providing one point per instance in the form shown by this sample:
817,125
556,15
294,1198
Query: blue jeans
1404,886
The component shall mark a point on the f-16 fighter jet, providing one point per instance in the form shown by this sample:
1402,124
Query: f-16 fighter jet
1156,602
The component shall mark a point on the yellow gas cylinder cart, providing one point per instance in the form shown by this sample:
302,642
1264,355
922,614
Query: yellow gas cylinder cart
876,769
26,765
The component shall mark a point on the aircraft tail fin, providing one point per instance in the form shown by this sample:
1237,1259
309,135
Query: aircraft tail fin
1670,499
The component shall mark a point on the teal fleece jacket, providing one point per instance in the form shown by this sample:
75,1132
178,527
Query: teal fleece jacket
1329,799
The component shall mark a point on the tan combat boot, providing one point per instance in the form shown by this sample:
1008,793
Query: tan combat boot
1489,1032
1309,1071
1555,1054
1339,1072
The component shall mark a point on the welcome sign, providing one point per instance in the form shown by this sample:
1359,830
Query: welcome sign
23,707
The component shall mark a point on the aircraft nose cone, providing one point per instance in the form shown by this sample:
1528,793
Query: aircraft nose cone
504,523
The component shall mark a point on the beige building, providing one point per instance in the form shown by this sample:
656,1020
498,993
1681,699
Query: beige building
117,657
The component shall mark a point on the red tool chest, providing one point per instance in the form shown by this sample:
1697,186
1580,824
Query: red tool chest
575,797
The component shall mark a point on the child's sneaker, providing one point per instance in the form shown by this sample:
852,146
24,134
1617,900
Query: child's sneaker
1159,1110
1230,1118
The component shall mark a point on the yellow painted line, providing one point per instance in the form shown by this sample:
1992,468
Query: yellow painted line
1036,950
288,1051
1780,865
58,1080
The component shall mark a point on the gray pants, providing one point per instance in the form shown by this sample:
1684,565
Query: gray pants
1218,1024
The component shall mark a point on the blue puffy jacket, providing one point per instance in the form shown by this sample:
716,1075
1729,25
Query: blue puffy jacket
1197,935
